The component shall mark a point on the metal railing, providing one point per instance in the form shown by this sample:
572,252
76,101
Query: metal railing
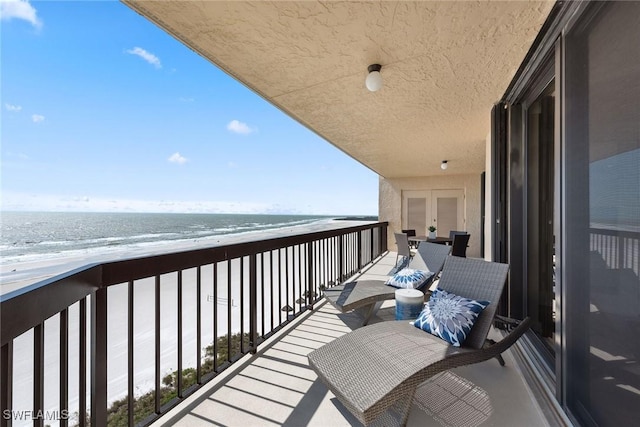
201,309
619,249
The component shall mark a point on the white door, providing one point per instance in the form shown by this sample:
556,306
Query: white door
416,211
444,209
447,211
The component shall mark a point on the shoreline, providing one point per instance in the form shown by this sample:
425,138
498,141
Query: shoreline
14,276
144,313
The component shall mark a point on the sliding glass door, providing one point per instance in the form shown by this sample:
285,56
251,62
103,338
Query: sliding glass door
602,215
539,213
532,208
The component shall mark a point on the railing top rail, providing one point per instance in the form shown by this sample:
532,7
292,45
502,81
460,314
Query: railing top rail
136,268
613,232
25,308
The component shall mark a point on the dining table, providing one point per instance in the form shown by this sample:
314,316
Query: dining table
439,240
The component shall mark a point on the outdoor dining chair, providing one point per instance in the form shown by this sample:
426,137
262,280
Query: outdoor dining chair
411,233
404,250
459,245
456,232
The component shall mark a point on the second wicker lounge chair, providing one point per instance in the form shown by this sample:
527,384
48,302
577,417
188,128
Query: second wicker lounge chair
374,371
367,295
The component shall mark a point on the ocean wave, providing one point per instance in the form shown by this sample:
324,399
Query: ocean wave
103,248
52,243
253,227
92,242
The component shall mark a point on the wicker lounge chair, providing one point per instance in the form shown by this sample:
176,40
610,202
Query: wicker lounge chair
367,295
374,371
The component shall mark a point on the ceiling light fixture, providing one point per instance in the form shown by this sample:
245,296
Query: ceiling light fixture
374,78
444,165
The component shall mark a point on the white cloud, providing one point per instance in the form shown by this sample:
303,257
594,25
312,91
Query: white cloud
185,99
232,165
19,9
177,158
15,108
16,201
239,127
37,118
147,56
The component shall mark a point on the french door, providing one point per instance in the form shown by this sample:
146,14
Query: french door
443,209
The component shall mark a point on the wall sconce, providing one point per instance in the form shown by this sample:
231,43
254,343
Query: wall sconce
444,165
374,78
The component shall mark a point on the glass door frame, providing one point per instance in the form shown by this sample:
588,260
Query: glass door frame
549,45
547,71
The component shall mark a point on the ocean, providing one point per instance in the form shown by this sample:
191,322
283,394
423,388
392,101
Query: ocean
33,236
39,245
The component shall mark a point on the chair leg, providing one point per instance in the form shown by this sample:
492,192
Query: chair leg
498,357
369,311
405,409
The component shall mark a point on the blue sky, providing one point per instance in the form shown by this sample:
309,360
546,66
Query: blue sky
103,111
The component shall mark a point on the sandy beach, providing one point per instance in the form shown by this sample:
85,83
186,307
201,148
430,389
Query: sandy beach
17,275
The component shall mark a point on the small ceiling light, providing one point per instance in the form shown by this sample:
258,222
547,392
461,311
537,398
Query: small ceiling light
374,78
444,165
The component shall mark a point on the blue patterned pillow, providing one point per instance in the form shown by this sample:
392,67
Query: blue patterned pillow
449,316
408,278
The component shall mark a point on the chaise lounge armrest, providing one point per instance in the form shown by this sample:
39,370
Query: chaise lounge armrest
506,323
494,349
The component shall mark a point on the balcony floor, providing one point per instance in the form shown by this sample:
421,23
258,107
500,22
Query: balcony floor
277,387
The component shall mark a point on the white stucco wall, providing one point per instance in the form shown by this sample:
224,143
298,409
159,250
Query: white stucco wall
390,199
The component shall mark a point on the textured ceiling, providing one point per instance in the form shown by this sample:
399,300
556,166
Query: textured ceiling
444,64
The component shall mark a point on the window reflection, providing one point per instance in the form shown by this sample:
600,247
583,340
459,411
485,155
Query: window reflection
602,200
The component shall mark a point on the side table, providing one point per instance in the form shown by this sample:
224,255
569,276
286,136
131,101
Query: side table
409,303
